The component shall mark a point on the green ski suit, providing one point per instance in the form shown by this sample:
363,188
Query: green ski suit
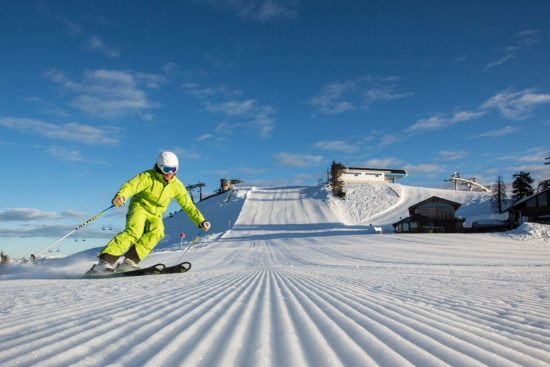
151,194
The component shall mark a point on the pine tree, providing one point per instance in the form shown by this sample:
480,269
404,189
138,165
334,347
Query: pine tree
521,187
336,170
543,185
499,195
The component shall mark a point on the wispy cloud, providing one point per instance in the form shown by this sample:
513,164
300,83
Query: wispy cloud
511,105
339,97
298,160
507,130
46,230
431,170
439,121
186,154
204,137
110,93
530,160
196,90
522,40
516,105
71,131
452,155
93,43
73,28
47,107
96,44
259,117
26,215
388,139
257,10
335,146
388,162
67,154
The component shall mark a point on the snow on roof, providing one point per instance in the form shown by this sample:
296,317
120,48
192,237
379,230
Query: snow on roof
389,170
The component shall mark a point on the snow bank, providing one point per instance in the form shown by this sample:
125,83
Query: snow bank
363,201
222,211
529,232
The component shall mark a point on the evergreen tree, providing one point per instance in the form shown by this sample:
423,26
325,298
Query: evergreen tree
521,187
336,170
543,185
499,195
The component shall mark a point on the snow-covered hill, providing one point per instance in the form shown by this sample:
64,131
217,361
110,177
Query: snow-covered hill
291,277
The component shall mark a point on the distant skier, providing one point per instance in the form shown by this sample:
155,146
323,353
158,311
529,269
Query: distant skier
151,192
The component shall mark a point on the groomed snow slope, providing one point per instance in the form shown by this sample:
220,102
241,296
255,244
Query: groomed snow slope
290,285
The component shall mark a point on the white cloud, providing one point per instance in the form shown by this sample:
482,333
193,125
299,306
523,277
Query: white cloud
383,93
109,93
258,116
96,44
232,108
69,131
26,215
507,130
205,137
331,99
439,121
298,160
73,28
516,105
185,154
388,139
388,162
196,90
452,155
430,169
339,97
258,10
67,154
522,40
336,146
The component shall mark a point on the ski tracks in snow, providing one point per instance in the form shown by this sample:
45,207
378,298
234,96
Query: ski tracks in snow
270,315
259,299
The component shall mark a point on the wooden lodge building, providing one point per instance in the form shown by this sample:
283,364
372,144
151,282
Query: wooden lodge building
433,215
534,208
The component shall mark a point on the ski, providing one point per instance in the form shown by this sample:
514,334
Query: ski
179,268
151,270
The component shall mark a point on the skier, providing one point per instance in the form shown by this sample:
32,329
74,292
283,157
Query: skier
151,192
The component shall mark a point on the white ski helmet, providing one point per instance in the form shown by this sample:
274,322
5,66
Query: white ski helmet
167,162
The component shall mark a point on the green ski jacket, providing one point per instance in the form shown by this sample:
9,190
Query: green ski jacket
150,191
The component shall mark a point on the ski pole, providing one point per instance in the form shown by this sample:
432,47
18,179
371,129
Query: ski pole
74,230
193,241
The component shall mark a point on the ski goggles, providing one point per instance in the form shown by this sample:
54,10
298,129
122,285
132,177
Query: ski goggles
167,170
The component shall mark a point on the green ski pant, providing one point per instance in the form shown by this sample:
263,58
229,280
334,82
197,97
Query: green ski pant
142,229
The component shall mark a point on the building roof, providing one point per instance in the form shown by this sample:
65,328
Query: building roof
434,198
387,170
522,201
414,217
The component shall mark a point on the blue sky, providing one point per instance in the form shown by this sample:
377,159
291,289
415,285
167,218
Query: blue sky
266,91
